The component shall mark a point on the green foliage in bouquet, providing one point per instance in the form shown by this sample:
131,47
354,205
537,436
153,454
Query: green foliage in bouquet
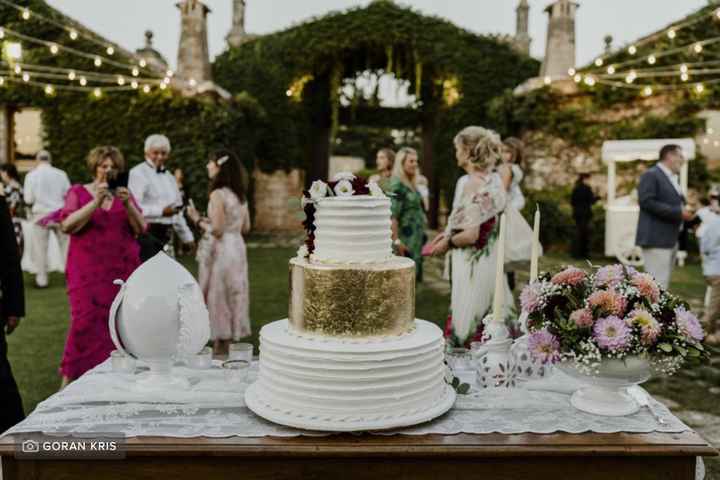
615,312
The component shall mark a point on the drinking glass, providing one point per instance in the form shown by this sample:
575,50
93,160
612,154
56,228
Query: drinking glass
236,371
121,363
241,351
201,360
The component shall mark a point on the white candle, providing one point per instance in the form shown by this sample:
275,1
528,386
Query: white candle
499,298
535,258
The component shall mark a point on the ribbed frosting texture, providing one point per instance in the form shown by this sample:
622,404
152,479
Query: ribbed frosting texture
353,229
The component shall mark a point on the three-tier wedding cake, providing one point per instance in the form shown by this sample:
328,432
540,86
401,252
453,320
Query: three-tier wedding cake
351,356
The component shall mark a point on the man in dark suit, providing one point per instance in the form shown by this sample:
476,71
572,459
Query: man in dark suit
12,309
582,200
662,213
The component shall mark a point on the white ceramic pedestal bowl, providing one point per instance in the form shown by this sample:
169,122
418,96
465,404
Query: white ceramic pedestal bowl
606,392
158,315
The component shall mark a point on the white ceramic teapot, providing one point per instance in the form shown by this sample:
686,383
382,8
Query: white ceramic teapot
159,314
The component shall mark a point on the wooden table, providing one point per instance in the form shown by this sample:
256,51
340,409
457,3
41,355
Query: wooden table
348,457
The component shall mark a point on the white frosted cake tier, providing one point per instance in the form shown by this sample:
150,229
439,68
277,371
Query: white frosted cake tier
331,385
353,229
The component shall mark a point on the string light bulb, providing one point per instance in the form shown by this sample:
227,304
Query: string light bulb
710,131
683,68
73,34
49,90
71,75
631,76
589,80
577,78
2,33
684,77
146,89
571,72
134,85
120,80
98,62
598,62
135,71
110,50
83,81
2,81
25,14
17,69
647,91
193,82
699,88
170,73
54,49
652,60
26,77
97,92
611,70
143,63
717,13
163,86
547,80
672,34
14,50
632,50
698,48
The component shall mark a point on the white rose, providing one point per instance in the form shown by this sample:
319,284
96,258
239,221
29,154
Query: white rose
344,189
343,176
318,190
375,189
303,251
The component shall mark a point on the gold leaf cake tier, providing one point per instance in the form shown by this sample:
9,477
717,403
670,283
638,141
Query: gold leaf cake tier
352,300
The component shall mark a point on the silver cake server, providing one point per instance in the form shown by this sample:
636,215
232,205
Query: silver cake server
643,399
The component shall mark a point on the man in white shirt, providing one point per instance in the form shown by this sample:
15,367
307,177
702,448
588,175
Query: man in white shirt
662,213
156,190
45,189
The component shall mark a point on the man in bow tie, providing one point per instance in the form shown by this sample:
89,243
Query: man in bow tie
156,190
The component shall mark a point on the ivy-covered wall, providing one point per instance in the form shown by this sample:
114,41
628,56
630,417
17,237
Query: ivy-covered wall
295,75
75,122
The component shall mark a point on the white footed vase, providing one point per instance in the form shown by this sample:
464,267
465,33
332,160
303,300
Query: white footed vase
606,391
158,315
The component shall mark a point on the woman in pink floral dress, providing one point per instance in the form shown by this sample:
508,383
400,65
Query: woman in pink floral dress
222,256
102,226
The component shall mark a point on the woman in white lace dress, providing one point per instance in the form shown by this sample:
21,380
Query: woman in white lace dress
472,232
222,255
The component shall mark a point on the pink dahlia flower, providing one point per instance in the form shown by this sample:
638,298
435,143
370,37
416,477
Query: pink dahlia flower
688,324
583,318
647,286
571,276
544,347
610,276
531,297
608,302
612,333
649,327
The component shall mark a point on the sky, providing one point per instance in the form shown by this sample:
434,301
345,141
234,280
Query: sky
125,21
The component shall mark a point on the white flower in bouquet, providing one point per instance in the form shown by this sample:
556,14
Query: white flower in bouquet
343,176
303,251
375,190
344,189
318,190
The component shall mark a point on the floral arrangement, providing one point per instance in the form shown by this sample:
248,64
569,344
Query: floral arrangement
343,184
614,313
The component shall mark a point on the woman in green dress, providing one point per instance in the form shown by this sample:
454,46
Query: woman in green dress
408,215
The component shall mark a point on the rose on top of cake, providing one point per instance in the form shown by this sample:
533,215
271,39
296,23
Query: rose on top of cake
343,184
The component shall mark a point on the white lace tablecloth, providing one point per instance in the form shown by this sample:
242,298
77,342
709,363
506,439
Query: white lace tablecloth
103,401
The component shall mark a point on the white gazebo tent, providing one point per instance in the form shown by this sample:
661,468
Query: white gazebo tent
622,213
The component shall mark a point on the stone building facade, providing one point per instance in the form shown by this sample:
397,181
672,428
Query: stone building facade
560,47
193,62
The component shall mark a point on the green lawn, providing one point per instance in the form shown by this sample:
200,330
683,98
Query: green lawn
36,346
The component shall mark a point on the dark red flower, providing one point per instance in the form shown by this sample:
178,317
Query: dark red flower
485,231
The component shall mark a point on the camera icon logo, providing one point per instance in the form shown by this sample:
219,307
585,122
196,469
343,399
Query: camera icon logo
30,446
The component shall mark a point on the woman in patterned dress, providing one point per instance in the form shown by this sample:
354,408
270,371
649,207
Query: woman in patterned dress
408,215
222,255
14,197
472,232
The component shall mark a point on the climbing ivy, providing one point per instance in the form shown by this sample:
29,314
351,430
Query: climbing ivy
75,122
428,52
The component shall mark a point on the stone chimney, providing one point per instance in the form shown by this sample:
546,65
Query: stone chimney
237,33
522,28
560,48
193,56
